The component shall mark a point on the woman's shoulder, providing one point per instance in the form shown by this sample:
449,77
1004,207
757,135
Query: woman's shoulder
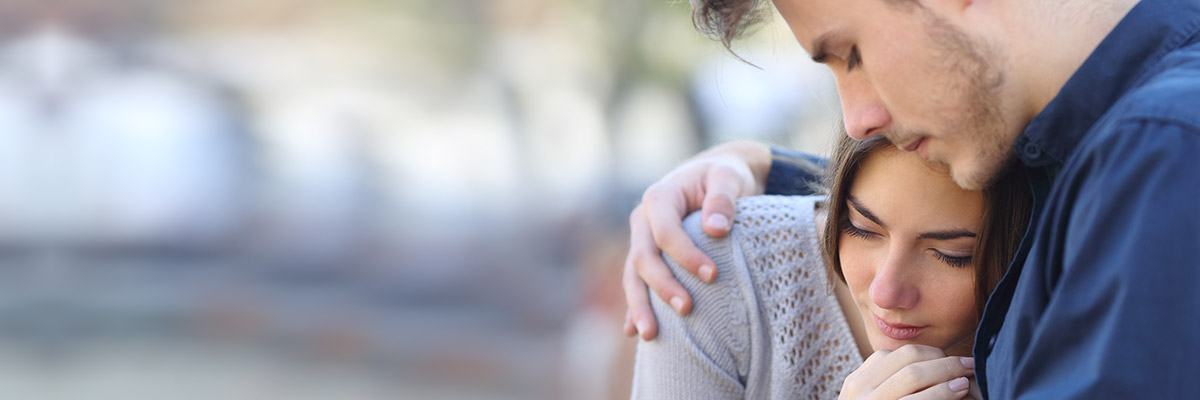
762,327
770,234
772,238
778,231
810,338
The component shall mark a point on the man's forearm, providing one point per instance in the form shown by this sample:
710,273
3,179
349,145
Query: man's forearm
793,172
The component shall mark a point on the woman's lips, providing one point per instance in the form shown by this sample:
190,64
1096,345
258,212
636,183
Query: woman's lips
898,331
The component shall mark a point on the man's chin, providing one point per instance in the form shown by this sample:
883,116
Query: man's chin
971,176
977,173
968,182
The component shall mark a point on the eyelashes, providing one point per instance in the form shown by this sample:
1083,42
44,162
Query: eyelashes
856,232
853,231
957,262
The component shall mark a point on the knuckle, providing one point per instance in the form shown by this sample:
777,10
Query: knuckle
910,376
674,242
643,261
718,199
653,193
907,351
630,281
918,352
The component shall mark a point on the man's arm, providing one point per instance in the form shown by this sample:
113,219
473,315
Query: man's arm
794,173
711,182
1122,315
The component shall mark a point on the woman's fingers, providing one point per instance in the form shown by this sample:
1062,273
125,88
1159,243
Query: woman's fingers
953,389
893,362
908,370
920,376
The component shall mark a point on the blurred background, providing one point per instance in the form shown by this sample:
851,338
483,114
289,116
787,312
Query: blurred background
353,199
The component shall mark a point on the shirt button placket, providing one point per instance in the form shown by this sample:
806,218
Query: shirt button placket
1032,152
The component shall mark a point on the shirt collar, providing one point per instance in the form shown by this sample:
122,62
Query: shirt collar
1147,33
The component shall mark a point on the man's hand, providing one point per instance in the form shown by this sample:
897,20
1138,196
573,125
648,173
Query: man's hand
910,372
711,181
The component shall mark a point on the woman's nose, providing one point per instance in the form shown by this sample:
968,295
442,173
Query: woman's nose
892,288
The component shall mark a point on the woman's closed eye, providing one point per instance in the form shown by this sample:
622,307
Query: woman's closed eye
854,231
953,261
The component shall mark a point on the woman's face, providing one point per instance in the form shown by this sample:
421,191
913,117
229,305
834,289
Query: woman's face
906,253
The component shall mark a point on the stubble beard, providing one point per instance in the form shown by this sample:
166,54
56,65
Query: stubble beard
975,78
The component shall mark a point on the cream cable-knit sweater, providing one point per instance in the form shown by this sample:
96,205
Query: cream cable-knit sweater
768,327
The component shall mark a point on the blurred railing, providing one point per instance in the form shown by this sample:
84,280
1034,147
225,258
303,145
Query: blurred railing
354,199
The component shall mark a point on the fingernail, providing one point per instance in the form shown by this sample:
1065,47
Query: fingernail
967,362
959,384
718,221
677,304
641,327
707,272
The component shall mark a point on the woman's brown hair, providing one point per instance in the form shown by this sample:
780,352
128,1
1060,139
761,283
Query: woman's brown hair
1007,202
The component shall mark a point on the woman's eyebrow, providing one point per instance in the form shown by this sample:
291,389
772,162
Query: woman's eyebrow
947,235
864,211
937,235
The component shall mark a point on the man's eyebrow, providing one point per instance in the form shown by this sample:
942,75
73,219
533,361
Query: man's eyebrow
864,211
819,47
947,235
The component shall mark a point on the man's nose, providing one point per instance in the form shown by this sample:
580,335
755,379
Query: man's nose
863,114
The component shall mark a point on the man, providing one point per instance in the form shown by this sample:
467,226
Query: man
1096,99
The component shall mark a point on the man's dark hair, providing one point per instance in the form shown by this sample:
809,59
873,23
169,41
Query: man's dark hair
725,20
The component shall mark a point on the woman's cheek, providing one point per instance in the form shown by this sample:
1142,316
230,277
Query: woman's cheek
856,265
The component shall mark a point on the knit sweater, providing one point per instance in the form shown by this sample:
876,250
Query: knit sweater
769,326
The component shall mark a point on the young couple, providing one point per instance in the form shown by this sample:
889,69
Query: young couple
1042,153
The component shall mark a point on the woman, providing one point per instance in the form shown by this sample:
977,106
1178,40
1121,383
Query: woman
910,257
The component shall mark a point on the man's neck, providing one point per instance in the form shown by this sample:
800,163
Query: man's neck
1057,39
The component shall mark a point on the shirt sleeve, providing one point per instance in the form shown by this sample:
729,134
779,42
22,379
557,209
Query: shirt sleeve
706,354
794,173
1121,317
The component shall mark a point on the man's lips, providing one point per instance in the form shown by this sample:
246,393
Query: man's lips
898,331
914,145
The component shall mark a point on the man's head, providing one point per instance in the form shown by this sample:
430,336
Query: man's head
905,69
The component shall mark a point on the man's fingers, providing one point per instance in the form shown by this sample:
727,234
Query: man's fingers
654,272
629,328
639,317
645,266
954,389
666,227
721,190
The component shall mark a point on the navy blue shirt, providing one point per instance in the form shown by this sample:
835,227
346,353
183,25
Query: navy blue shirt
1103,298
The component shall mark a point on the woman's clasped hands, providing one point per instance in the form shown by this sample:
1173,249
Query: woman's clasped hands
912,372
